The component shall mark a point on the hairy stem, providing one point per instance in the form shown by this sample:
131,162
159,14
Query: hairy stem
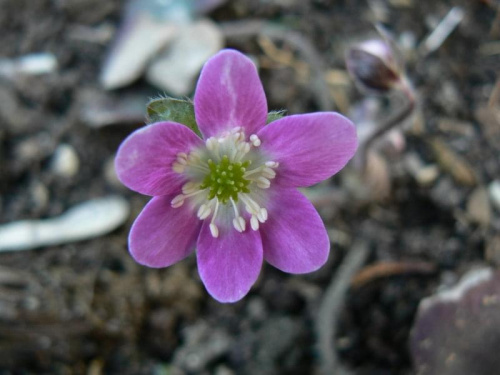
389,124
333,304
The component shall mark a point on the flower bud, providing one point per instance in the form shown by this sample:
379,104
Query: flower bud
373,66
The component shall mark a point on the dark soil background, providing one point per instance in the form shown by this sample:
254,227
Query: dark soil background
87,308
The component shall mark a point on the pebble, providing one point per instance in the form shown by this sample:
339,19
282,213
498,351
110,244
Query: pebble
494,193
32,64
468,311
110,174
39,195
203,344
478,207
86,220
65,162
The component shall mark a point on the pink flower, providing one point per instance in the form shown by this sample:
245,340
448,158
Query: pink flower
233,194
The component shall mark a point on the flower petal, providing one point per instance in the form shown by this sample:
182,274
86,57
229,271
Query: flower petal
144,160
309,148
229,94
162,235
294,237
230,264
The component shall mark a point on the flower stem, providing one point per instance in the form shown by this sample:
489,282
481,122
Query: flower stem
389,124
333,304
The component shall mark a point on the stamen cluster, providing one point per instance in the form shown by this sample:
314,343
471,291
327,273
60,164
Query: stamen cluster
220,178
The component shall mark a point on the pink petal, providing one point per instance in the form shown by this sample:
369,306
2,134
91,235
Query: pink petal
310,148
144,160
230,264
162,235
229,94
294,236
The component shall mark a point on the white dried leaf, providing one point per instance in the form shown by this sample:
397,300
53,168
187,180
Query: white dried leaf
141,38
86,220
176,69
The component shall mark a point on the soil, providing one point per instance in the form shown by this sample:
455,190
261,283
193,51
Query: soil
88,308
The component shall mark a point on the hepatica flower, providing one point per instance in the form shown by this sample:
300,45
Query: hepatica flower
232,195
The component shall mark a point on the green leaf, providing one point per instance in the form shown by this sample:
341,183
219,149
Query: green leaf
275,115
171,109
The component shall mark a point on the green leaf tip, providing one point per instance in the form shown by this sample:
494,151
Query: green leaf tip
275,115
171,109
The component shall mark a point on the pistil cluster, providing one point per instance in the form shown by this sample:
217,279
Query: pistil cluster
225,176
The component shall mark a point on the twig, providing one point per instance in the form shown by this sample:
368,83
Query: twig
495,94
437,37
251,28
388,269
331,307
389,124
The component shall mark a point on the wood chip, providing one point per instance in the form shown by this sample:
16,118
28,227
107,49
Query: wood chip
454,164
378,271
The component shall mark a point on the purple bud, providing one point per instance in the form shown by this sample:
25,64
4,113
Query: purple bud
373,66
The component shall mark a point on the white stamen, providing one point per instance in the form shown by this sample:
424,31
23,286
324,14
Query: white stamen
178,201
236,212
251,206
190,187
182,158
253,171
262,216
254,223
246,149
233,145
211,143
214,230
272,164
204,211
239,224
195,192
263,182
269,173
194,155
240,150
255,140
177,167
216,210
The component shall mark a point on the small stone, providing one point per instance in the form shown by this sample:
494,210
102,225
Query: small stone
377,176
203,344
39,195
494,193
256,309
223,370
65,162
427,175
478,207
32,64
446,195
492,249
110,174
456,331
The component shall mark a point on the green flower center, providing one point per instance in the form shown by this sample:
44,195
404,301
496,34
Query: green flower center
226,179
